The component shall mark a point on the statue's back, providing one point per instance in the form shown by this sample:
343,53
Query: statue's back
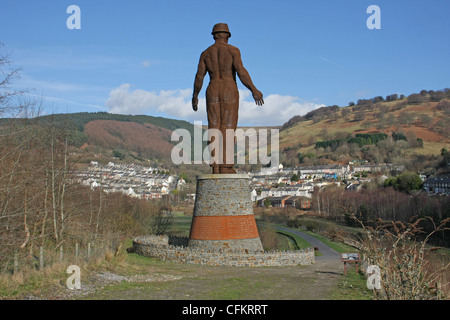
219,62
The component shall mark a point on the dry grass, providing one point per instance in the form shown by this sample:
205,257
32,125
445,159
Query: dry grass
438,263
29,281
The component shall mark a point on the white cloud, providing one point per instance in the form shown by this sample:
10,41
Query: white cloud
276,110
172,103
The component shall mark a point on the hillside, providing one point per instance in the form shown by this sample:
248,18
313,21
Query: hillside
79,120
145,139
413,128
140,137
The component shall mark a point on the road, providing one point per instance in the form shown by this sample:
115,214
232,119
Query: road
327,252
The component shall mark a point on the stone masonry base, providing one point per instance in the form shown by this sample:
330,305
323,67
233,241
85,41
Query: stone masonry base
176,249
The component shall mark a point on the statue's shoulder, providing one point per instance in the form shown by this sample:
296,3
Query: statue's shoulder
208,50
233,48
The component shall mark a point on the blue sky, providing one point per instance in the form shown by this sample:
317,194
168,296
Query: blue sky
140,57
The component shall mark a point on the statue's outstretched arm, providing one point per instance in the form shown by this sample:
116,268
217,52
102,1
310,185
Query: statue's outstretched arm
198,82
245,78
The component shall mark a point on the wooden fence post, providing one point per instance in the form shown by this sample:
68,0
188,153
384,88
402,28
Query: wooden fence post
16,263
41,258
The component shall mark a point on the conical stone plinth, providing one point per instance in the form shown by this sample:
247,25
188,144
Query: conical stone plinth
223,214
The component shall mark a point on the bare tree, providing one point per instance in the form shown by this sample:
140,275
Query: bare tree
7,94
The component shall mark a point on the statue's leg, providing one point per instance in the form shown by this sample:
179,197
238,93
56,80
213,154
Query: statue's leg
229,108
213,112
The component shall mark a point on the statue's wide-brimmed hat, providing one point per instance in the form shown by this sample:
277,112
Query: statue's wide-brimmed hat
221,27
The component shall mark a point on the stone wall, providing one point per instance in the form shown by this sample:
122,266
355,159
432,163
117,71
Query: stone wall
253,244
163,248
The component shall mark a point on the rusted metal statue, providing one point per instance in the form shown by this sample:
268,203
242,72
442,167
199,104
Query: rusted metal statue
222,61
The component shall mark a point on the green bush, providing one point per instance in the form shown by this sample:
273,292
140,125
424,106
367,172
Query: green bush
406,182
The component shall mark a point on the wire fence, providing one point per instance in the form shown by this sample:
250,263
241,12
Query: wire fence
66,253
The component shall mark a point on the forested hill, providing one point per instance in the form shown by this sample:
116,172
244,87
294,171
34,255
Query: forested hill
139,135
79,120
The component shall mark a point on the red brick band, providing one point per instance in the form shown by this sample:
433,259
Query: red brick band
223,227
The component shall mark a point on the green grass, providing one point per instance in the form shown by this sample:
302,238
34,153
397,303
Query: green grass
285,243
228,289
299,243
352,287
181,225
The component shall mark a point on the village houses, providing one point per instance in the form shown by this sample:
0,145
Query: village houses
130,179
282,186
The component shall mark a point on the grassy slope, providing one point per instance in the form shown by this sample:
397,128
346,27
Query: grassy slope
304,130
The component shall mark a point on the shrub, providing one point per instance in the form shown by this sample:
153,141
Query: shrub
406,182
408,270
415,98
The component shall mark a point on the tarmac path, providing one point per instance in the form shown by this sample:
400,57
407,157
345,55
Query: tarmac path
327,252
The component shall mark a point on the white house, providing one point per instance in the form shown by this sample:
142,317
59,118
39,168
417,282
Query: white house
130,192
254,195
181,184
